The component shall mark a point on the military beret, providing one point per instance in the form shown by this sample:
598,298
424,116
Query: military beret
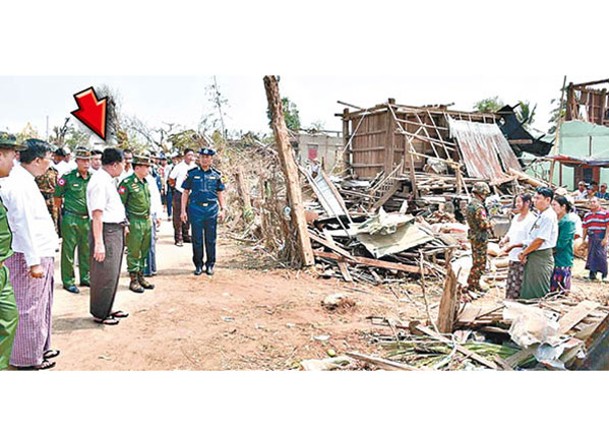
9,141
207,152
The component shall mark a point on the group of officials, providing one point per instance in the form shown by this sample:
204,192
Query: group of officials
103,201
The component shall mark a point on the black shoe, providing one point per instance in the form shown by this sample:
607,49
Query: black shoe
85,284
198,270
209,270
71,288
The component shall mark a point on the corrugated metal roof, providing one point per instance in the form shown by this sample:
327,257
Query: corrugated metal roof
483,148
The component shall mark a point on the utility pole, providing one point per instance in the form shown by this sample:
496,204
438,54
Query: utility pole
290,170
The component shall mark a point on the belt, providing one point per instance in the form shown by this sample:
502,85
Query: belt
83,216
206,204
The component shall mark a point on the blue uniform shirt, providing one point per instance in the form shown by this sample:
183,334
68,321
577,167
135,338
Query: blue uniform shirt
203,185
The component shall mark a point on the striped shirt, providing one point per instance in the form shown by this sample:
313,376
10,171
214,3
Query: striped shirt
596,221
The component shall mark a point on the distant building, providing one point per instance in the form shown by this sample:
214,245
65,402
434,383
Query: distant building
325,146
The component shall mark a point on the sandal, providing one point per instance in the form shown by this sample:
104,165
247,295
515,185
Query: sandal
51,353
106,321
119,314
46,364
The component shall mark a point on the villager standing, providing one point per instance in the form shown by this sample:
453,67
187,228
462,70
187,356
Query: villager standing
96,164
156,210
596,235
563,253
202,204
513,241
31,267
537,255
479,231
107,237
9,315
177,177
135,195
581,192
71,199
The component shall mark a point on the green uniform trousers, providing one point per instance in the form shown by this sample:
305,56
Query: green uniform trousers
9,317
479,254
75,234
138,243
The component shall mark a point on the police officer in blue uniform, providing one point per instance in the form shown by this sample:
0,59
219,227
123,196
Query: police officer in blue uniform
202,205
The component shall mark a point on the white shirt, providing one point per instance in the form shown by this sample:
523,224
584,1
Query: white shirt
545,227
63,167
579,227
179,173
580,195
156,206
28,216
102,195
519,232
124,175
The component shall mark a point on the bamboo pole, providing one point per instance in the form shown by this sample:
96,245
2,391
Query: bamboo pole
290,170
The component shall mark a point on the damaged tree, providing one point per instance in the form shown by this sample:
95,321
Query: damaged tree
290,170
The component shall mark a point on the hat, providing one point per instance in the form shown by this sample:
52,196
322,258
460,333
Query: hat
82,153
481,188
162,156
561,191
9,141
141,160
206,152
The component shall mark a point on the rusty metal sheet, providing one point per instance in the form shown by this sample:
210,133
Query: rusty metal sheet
481,145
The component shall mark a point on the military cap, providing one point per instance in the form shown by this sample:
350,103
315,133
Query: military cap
206,152
9,141
141,160
481,188
82,153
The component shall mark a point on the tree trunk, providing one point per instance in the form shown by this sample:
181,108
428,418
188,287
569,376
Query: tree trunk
290,170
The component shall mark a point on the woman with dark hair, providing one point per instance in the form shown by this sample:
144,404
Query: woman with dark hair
512,243
563,253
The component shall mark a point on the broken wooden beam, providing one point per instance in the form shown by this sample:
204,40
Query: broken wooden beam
370,262
384,363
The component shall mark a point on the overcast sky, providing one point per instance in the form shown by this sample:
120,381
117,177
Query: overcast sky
183,99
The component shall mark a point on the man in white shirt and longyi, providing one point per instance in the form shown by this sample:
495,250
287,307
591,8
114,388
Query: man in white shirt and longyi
32,265
107,240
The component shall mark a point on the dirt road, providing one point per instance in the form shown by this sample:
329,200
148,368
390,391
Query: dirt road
239,319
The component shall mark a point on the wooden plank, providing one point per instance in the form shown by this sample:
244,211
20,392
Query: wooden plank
576,315
383,199
384,363
448,303
370,262
463,350
344,271
330,245
290,169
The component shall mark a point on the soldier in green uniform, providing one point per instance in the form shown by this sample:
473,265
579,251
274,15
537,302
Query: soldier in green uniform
71,192
135,194
47,183
479,231
9,315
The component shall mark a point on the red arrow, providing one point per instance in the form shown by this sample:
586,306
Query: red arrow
91,111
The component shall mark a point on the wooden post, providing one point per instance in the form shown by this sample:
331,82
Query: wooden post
290,170
346,137
447,311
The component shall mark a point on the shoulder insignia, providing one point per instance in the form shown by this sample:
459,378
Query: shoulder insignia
121,189
61,181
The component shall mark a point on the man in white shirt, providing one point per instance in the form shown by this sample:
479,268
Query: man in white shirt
537,255
128,170
60,161
96,156
581,192
176,178
32,266
106,240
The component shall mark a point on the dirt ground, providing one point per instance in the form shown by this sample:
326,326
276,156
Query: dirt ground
248,316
